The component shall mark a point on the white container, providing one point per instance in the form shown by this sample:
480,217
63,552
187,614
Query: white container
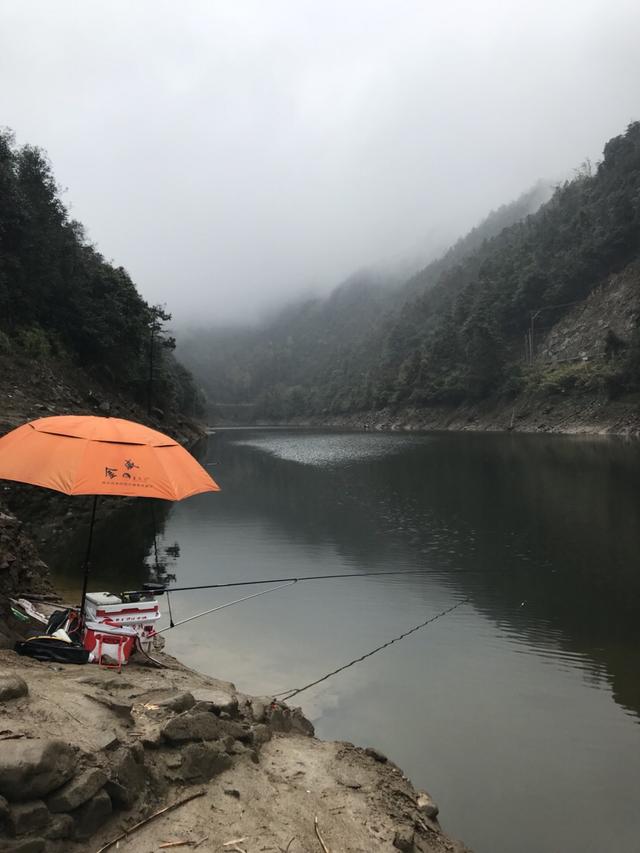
104,606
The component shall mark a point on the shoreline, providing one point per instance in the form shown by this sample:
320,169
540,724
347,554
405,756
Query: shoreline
532,414
87,753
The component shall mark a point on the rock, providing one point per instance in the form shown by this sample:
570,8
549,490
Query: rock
12,687
127,780
199,726
179,702
258,710
220,700
202,761
426,805
62,826
284,719
152,738
137,750
120,707
260,734
403,839
33,768
173,760
77,791
376,754
232,792
26,845
105,740
92,815
26,817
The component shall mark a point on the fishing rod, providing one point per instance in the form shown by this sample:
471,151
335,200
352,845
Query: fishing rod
173,624
160,588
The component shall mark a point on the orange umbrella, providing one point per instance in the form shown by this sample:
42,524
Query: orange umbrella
88,455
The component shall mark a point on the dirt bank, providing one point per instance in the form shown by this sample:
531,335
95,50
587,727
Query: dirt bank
86,754
31,388
547,413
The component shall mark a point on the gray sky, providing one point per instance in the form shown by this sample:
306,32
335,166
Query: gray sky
232,153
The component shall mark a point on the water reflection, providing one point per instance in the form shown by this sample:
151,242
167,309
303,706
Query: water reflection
519,709
541,532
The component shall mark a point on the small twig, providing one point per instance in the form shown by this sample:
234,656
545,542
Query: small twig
175,844
289,844
142,823
320,838
202,840
234,841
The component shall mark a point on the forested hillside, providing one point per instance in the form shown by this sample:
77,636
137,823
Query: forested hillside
60,300
469,327
330,354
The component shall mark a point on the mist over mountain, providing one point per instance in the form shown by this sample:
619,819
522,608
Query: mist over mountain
328,343
478,323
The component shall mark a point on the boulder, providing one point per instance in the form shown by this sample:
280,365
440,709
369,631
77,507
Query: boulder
178,702
62,826
31,769
426,805
404,839
260,734
127,779
12,687
202,761
90,816
259,709
199,726
27,817
376,755
77,791
218,699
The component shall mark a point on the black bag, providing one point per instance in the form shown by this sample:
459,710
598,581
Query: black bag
49,649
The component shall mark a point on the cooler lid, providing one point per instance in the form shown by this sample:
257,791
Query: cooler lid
102,598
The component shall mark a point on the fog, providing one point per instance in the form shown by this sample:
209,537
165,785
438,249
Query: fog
233,154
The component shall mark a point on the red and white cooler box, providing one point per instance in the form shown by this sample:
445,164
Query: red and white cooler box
112,625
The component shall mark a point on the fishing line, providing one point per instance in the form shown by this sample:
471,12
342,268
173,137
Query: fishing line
222,607
289,694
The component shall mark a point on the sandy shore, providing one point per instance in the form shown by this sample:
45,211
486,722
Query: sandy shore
87,753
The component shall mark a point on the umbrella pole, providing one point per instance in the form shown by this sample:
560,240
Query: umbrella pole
87,559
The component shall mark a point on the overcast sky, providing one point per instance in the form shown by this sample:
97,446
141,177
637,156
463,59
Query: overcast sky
232,153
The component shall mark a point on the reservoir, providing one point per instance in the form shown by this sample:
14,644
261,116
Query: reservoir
518,711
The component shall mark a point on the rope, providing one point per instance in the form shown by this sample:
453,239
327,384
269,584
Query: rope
289,694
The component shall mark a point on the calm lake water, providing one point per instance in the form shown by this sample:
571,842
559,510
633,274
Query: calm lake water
518,711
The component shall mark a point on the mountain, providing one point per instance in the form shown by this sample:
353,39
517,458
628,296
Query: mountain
328,355
73,327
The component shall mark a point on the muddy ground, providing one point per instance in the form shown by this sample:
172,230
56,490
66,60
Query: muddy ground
146,738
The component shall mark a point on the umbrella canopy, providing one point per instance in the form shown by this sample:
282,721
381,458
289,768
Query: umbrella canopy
89,455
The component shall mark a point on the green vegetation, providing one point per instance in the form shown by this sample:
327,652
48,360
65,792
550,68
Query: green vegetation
331,355
454,332
59,297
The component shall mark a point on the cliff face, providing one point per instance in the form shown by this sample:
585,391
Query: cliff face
599,328
22,573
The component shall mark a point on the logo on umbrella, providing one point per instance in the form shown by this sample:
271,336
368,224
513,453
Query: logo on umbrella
129,465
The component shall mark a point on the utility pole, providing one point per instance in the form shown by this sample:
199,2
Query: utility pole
150,381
